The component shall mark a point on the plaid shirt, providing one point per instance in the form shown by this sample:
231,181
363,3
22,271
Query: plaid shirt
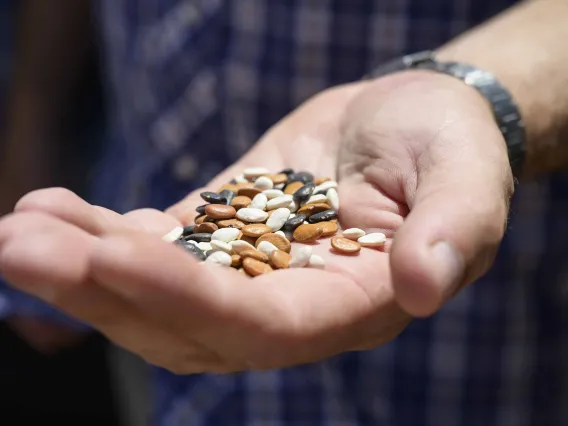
196,82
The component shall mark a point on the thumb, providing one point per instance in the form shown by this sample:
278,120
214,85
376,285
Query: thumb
457,220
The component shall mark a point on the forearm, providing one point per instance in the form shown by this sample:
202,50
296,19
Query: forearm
52,45
525,48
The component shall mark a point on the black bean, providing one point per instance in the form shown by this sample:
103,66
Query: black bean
233,181
287,171
200,209
228,195
200,237
293,223
323,216
188,230
304,192
213,198
191,248
304,177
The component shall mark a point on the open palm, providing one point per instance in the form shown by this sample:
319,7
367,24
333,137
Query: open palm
157,301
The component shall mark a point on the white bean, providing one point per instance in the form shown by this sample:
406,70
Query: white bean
316,262
272,193
282,201
266,247
333,198
325,186
252,215
173,235
263,183
375,239
221,245
277,220
317,199
225,234
219,258
254,172
259,202
353,233
300,256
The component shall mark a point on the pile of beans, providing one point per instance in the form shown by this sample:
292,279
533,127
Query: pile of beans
250,222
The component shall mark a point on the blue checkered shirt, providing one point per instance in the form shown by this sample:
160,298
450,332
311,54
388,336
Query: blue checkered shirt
194,83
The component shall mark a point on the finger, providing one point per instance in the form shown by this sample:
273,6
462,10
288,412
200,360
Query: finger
71,208
49,259
457,217
151,221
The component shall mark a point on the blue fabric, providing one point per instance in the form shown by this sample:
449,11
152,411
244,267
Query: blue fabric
193,83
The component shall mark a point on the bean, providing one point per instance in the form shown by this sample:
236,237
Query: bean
304,192
173,235
252,215
220,211
374,239
344,245
213,198
200,238
323,216
206,228
292,223
229,194
191,248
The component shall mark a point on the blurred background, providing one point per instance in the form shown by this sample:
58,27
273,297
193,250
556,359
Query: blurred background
49,372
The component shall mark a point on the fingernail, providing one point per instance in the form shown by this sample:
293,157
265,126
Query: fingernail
450,267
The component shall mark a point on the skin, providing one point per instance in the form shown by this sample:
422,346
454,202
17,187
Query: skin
417,155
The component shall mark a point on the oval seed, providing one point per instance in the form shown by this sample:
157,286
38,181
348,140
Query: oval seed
292,187
252,215
263,183
249,192
277,219
219,258
255,268
280,233
259,202
344,245
200,219
310,209
278,202
266,247
254,172
333,198
256,230
294,206
280,186
304,177
236,260
204,246
173,235
293,222
322,189
316,262
321,180
188,230
272,193
240,202
323,216
220,211
189,247
221,245
226,234
230,223
201,209
205,228
241,179
229,194
300,257
280,259
255,254
308,233
304,192
213,198
278,241
279,178
374,239
200,238
240,245
315,199
250,240
329,228
353,233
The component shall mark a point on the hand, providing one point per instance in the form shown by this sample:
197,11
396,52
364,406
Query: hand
415,153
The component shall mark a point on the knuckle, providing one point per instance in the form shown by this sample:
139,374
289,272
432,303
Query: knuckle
45,199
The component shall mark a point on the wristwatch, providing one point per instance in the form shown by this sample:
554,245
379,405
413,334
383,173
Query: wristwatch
505,110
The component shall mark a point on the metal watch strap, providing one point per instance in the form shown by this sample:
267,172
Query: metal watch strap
504,108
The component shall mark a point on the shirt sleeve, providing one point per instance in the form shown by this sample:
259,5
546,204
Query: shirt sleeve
14,302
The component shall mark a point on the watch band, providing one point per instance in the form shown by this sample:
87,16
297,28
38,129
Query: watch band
504,108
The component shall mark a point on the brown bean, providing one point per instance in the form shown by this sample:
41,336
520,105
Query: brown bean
249,192
236,260
310,209
220,211
329,228
279,178
241,185
256,229
321,180
255,267
280,259
205,228
250,240
293,187
308,233
255,254
345,245
240,202
230,187
278,240
230,223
